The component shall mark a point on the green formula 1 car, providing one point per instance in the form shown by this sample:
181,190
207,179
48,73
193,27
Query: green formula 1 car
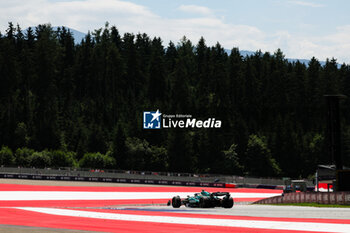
204,199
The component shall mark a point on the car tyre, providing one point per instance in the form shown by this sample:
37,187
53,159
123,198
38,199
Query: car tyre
176,202
227,202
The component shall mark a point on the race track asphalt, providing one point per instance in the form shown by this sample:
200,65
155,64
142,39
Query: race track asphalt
99,215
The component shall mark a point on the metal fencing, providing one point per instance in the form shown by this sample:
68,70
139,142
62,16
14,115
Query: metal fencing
339,198
187,177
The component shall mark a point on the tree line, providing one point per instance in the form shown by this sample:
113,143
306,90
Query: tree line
75,101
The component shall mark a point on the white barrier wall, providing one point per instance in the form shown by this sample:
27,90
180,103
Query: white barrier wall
340,198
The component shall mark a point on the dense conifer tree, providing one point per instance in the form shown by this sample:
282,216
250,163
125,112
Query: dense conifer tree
88,97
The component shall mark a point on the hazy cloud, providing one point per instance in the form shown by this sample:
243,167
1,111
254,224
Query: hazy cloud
195,9
305,3
82,15
87,15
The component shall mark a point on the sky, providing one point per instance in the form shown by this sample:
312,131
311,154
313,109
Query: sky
300,28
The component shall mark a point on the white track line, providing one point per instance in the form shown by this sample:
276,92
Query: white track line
277,225
67,195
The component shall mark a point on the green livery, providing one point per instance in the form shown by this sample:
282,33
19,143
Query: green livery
204,199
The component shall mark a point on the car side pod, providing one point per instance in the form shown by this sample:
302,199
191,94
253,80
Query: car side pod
204,202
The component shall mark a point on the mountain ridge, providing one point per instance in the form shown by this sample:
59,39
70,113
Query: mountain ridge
79,36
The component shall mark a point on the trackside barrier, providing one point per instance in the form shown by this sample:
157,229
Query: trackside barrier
112,180
134,181
339,198
230,185
129,174
145,177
